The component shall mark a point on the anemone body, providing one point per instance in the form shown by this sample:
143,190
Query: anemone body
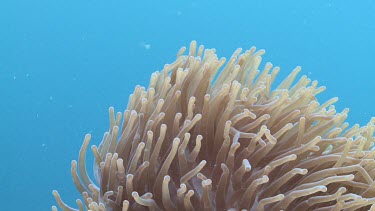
211,134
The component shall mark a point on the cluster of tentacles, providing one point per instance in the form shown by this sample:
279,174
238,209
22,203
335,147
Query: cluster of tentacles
209,136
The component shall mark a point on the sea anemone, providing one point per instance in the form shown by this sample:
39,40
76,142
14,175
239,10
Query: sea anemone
209,136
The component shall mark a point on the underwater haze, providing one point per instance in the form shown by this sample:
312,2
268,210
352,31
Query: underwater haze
63,63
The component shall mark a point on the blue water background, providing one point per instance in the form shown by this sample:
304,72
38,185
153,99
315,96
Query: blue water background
63,63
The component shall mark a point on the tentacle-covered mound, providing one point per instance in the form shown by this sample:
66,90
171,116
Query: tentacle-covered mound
211,134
